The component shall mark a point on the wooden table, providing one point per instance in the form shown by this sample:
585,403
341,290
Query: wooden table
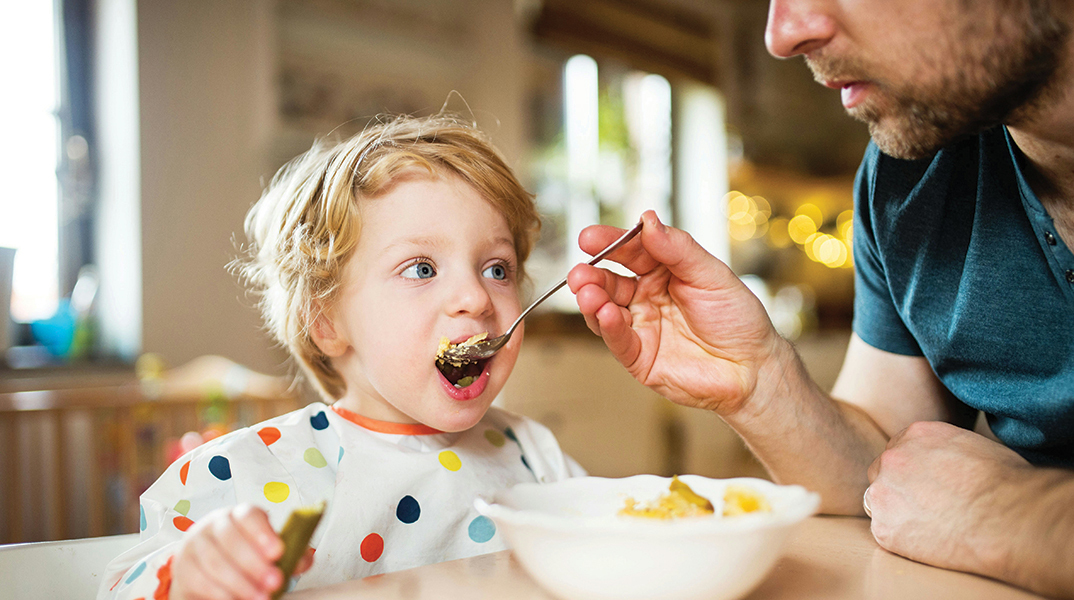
828,558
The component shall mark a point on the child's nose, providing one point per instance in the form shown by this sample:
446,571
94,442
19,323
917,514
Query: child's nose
470,297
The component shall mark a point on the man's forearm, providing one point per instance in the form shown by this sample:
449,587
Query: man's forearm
804,436
1039,552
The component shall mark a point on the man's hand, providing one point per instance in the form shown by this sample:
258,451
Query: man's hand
686,326
230,554
951,498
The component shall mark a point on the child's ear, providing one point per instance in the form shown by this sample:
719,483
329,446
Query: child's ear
324,334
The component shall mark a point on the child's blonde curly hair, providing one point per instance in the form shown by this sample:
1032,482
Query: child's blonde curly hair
306,224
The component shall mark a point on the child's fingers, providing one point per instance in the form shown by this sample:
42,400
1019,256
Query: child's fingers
205,569
305,563
254,525
250,543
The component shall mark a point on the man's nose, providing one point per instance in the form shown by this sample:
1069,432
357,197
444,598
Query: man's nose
797,27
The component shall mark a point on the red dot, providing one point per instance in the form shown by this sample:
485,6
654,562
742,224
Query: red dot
183,472
182,523
372,547
269,435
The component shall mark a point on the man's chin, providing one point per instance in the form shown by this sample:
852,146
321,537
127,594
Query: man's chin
898,138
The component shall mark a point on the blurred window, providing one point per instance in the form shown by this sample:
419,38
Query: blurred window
28,157
45,159
615,142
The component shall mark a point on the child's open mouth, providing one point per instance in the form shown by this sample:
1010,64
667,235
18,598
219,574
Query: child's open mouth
463,374
459,374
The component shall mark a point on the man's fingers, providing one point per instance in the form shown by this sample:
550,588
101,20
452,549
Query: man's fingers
619,289
874,469
683,256
595,238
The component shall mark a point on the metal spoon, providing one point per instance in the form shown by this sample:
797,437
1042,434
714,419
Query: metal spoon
486,348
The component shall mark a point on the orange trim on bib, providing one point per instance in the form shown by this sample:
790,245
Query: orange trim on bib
384,426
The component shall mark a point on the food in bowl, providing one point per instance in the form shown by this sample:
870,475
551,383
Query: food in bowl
680,501
569,537
743,500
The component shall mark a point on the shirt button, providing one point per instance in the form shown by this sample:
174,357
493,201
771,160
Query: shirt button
1048,237
1070,275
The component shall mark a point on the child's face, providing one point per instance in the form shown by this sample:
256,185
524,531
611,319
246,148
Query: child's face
434,259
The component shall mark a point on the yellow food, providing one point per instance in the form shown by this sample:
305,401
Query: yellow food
741,500
445,344
679,502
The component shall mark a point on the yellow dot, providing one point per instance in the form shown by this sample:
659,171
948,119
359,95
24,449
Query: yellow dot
450,460
277,491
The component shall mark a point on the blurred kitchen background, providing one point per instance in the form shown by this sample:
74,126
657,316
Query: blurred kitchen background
137,133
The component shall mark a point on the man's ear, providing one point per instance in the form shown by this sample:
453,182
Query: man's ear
324,334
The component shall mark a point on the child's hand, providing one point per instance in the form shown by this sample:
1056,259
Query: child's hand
229,554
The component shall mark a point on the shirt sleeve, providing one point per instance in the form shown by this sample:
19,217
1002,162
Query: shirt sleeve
876,318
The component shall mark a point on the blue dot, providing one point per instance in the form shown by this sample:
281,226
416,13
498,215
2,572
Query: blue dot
141,519
340,459
408,510
141,569
511,434
482,529
319,421
220,468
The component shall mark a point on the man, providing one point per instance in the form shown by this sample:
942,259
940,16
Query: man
964,291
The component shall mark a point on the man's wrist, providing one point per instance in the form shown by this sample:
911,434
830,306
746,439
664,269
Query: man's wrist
781,380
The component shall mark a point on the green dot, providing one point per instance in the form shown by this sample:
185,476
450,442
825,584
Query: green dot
314,457
495,438
182,507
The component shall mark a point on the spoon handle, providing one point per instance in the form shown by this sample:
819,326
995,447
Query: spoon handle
626,237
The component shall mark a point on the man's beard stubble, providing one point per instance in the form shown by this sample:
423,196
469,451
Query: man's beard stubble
988,81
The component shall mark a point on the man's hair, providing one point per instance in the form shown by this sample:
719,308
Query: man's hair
306,225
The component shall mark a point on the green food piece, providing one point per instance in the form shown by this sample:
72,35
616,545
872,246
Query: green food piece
465,381
296,534
690,495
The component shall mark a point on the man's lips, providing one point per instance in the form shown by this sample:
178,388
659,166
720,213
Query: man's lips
852,92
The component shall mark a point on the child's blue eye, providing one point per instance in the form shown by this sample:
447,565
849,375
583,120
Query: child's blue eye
496,272
419,270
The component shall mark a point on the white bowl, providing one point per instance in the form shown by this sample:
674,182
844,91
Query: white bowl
569,538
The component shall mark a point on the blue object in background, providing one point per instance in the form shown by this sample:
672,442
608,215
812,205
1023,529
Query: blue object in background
58,331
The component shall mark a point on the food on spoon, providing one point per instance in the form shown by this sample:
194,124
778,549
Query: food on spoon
460,373
296,534
741,500
445,345
679,502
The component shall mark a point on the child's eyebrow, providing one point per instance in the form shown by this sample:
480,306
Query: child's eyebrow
437,241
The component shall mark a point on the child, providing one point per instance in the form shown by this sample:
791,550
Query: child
365,253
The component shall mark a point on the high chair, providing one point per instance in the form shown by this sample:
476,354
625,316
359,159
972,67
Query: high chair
68,569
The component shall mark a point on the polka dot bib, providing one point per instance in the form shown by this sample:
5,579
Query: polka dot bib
399,496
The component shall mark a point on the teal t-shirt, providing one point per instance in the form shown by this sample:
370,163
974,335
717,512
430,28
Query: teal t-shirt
956,260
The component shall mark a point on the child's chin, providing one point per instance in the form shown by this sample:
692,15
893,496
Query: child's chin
460,421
